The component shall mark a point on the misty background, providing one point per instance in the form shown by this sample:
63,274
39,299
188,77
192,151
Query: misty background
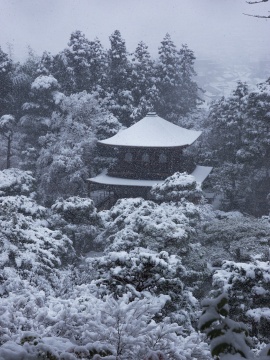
227,44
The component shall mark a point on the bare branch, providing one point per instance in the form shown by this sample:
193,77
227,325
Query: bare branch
256,2
258,16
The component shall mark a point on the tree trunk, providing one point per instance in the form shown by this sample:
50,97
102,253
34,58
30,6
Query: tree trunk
9,139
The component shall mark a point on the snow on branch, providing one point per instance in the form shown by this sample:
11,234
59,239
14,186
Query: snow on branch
257,16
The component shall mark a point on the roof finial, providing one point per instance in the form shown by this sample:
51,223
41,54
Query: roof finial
151,113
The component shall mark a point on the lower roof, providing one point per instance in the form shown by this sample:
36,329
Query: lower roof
200,174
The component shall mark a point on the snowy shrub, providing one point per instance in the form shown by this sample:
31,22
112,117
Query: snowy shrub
68,152
228,338
44,82
45,97
248,289
16,182
76,210
26,242
78,219
139,271
142,273
6,124
82,325
233,236
178,187
10,205
137,222
107,126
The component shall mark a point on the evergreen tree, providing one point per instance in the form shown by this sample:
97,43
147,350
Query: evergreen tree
120,99
72,65
178,93
255,152
237,144
227,119
228,339
168,80
7,125
5,81
37,121
45,66
222,143
190,90
98,61
22,77
143,81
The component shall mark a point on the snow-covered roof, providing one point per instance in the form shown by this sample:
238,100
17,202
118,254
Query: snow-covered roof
105,179
153,131
200,173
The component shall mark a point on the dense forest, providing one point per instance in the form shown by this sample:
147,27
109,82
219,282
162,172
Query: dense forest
166,278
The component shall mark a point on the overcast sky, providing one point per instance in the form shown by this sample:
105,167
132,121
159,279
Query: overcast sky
212,28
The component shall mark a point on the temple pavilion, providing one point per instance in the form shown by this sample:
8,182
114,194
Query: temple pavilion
147,153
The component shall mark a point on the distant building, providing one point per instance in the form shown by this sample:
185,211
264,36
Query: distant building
148,152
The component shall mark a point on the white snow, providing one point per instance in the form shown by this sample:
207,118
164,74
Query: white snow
44,82
153,131
200,173
105,179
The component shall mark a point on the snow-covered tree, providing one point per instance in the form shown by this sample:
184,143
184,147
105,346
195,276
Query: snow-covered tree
233,236
143,273
168,79
68,152
16,182
27,244
77,57
88,327
248,287
140,223
178,187
98,60
144,91
120,99
189,88
22,76
237,144
7,125
78,219
5,81
228,339
178,93
44,100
